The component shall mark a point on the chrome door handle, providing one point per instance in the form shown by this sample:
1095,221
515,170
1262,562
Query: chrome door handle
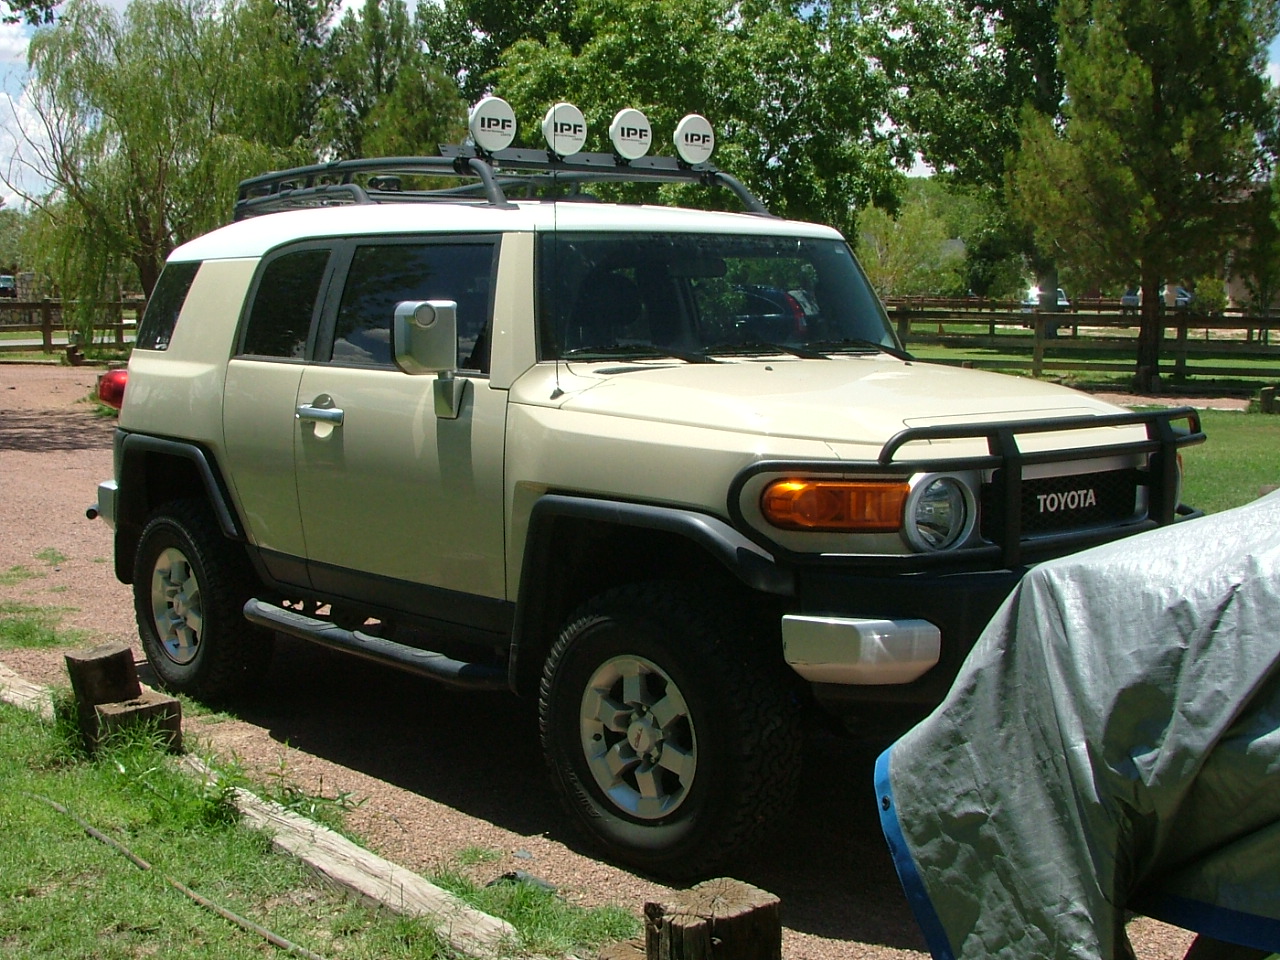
331,415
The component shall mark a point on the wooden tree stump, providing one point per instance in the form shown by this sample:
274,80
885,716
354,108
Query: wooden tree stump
109,696
163,713
723,919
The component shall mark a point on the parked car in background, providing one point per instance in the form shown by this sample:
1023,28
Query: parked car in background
1131,299
8,286
1032,300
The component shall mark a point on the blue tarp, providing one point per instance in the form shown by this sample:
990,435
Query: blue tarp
1111,743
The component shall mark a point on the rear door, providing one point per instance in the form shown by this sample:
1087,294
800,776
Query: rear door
261,393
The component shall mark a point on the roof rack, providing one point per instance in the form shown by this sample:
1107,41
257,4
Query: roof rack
331,184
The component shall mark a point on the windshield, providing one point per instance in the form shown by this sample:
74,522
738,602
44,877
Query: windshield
695,297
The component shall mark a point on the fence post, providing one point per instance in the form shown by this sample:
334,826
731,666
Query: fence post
1180,352
46,325
1037,352
118,311
904,323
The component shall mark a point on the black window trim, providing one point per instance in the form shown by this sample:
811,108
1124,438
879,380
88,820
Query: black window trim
251,296
344,254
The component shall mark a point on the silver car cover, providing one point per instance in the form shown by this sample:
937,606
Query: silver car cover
1111,743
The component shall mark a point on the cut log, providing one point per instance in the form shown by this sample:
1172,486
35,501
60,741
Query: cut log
163,713
723,919
23,693
105,674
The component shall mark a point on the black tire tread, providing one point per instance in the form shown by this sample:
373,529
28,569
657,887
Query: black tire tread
766,724
239,651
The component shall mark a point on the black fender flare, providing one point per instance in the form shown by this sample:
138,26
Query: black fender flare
749,562
134,502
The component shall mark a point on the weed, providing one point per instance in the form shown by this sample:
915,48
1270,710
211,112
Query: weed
470,856
25,626
329,811
51,556
16,574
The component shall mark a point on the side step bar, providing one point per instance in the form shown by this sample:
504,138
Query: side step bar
424,663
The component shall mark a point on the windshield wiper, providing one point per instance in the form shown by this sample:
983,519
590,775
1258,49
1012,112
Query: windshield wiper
637,351
760,347
857,344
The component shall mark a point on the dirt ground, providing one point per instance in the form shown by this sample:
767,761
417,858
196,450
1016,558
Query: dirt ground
435,772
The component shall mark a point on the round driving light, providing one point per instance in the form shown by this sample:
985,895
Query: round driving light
939,514
565,129
695,139
492,124
630,134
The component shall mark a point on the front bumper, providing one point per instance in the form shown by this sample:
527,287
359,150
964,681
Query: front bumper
849,650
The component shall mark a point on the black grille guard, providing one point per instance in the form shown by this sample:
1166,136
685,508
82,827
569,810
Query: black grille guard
1163,441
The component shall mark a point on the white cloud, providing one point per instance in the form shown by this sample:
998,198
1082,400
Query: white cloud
14,39
22,140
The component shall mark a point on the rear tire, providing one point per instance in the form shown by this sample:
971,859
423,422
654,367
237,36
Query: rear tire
672,738
190,584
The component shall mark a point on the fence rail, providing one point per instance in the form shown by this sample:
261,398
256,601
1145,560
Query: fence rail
1043,341
44,319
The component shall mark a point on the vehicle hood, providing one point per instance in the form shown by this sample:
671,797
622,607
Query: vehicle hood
856,400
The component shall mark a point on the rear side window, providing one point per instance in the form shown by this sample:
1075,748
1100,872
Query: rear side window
283,304
383,275
170,293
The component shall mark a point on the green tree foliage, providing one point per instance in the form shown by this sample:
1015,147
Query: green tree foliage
963,70
796,102
382,87
922,250
1166,118
148,122
468,37
33,12
1257,263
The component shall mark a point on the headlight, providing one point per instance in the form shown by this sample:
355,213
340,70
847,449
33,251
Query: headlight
939,514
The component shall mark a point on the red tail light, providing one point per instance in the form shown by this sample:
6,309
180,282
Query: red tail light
800,325
111,387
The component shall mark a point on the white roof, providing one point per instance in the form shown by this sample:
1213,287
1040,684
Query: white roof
257,235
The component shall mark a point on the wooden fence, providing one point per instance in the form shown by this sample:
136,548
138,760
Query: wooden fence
117,320
1099,337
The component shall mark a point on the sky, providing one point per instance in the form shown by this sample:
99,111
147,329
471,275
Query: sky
13,74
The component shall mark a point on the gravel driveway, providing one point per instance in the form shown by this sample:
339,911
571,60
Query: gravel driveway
437,771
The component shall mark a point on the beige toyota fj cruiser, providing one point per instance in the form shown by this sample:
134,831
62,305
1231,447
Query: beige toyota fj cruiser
667,471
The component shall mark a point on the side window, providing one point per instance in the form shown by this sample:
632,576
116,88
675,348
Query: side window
382,275
161,317
284,303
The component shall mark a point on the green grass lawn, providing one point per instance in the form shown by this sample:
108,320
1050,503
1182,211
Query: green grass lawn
66,894
1241,456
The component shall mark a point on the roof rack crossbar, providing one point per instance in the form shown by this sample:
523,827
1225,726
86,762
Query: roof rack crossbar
322,183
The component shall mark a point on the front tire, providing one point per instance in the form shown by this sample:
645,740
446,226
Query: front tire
671,736
190,584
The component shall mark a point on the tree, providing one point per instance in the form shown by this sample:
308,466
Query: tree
33,12
379,77
795,100
468,37
1166,124
146,123
963,70
1257,262
918,252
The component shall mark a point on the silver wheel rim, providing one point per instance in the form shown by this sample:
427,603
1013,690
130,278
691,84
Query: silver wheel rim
175,605
638,737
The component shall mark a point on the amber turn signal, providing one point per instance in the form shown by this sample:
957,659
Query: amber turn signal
835,505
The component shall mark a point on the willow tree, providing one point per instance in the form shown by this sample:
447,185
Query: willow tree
146,121
1167,121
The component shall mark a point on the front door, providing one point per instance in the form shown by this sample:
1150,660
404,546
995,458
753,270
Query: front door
392,497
